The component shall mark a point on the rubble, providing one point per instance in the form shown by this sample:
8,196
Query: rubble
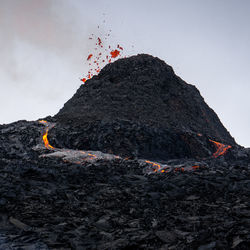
62,197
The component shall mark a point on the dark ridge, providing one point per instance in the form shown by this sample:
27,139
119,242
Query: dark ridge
136,106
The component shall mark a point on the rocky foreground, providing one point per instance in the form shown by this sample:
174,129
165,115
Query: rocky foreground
134,160
48,203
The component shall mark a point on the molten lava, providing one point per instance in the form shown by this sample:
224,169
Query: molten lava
163,168
221,148
79,157
114,53
89,56
45,140
155,165
45,135
102,55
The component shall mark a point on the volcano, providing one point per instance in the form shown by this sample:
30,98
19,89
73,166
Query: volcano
138,107
134,160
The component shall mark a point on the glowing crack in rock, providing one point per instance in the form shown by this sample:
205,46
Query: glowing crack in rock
80,157
70,155
45,134
221,148
156,167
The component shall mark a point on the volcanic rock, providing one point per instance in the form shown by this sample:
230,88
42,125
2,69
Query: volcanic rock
49,203
54,197
138,107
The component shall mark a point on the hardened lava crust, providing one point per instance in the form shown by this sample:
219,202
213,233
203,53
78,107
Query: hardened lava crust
138,107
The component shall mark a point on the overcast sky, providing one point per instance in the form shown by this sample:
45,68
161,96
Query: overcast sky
44,45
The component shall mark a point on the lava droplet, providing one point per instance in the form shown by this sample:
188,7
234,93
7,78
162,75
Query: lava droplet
89,56
114,53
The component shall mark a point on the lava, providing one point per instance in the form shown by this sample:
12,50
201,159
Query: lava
99,41
155,165
221,148
114,53
45,135
163,168
119,47
101,56
92,156
45,140
89,57
77,156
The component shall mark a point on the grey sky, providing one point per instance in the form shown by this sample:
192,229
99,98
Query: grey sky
44,45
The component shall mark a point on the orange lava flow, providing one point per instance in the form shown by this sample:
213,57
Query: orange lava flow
45,140
221,148
43,122
157,166
45,136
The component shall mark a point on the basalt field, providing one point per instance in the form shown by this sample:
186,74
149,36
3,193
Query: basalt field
136,159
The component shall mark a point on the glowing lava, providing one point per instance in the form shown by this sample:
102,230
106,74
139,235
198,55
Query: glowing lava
45,140
163,168
155,165
101,55
78,157
45,136
221,148
89,57
114,53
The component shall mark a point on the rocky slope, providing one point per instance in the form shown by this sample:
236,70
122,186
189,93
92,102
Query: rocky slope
50,203
54,194
138,107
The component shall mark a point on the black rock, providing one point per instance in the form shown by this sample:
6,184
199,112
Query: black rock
119,203
138,107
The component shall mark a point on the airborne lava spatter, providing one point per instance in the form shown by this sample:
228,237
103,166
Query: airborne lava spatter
114,53
89,56
101,56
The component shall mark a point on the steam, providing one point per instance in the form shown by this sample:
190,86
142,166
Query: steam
43,49
43,26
